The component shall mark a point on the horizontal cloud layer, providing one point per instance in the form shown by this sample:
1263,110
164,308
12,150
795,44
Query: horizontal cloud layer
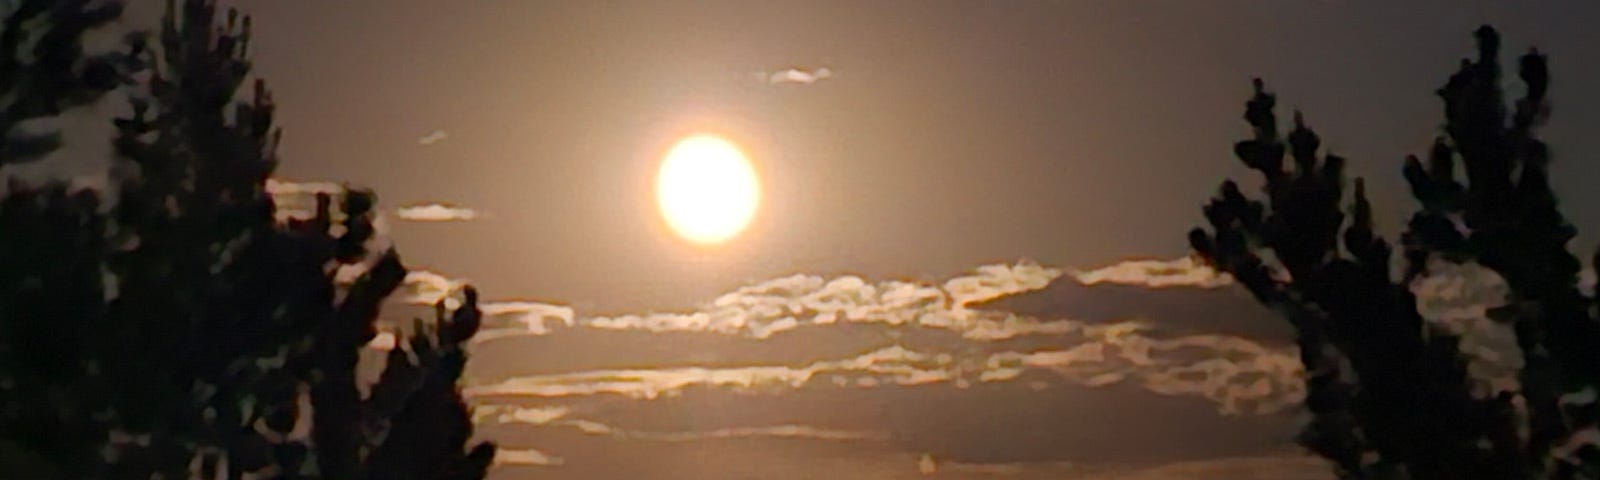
436,212
277,187
764,309
526,457
1182,272
1239,375
558,416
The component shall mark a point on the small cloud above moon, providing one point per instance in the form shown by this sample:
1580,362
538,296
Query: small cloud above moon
796,75
436,212
433,137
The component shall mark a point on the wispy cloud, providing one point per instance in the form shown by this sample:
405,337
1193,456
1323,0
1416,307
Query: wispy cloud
995,281
423,287
512,318
558,417
1182,272
775,431
287,187
1284,466
767,308
297,200
436,212
1240,376
1453,297
796,75
433,137
535,415
526,457
1457,298
927,464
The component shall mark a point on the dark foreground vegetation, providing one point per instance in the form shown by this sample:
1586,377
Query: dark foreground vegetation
1390,393
172,324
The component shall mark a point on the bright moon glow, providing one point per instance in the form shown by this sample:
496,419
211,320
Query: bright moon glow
707,190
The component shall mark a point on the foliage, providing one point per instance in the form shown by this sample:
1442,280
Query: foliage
1388,390
176,328
43,69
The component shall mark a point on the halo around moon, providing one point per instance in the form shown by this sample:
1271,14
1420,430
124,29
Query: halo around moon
707,190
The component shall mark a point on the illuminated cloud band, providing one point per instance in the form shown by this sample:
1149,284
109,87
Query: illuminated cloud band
525,457
557,416
1240,376
767,308
1182,272
436,212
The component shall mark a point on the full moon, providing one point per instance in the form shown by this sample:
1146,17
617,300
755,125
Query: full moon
707,190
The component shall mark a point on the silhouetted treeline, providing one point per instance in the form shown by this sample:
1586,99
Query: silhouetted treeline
170,326
1390,393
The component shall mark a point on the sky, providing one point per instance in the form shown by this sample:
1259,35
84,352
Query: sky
952,133
944,277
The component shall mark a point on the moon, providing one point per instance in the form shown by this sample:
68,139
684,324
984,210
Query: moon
707,189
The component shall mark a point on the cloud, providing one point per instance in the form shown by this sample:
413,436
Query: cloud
767,308
298,200
927,464
1182,272
436,212
433,137
796,75
513,318
423,287
557,416
525,457
278,187
1240,376
775,431
1279,466
995,281
1457,298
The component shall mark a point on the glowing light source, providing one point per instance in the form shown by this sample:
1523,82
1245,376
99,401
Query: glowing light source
707,190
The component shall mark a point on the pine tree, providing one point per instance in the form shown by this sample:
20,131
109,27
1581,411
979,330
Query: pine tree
44,71
1389,392
172,325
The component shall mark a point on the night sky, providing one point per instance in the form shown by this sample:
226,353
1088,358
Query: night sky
949,136
953,133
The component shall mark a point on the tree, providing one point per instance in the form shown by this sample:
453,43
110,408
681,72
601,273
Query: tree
1388,391
43,75
172,325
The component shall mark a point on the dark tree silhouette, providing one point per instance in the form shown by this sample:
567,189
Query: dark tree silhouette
40,77
1389,392
176,328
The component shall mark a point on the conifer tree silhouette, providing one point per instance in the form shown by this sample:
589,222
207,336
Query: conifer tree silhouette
1389,393
176,328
